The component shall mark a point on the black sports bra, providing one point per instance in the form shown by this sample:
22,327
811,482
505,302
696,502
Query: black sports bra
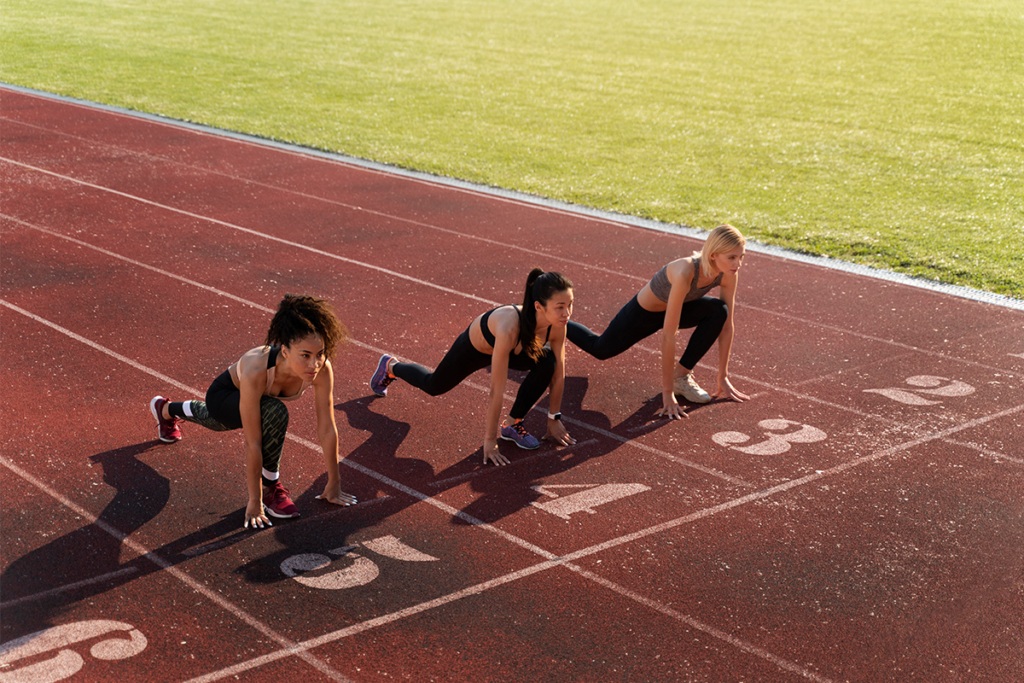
489,336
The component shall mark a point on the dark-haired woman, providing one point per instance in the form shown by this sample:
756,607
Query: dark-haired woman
530,338
673,299
248,395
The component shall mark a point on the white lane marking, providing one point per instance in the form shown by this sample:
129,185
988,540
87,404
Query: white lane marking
768,311
299,649
256,233
210,594
485,389
701,626
607,545
102,578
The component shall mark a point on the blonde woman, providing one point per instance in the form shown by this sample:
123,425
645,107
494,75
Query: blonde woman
674,299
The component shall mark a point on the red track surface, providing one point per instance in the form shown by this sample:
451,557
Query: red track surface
141,258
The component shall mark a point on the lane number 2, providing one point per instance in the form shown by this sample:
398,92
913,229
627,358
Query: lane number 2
929,385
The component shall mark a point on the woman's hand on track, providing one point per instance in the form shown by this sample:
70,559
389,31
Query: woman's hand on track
491,453
727,391
255,515
558,433
671,408
334,494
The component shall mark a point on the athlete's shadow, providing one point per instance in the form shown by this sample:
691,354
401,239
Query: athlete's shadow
87,552
510,489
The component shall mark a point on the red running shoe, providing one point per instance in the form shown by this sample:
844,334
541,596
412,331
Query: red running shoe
277,502
167,430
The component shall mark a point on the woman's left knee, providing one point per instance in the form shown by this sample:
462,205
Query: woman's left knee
274,413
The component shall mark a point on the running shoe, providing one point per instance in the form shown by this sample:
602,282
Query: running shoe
380,380
167,430
277,503
517,433
687,387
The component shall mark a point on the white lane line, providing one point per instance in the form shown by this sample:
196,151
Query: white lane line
701,626
354,207
256,233
635,278
160,562
398,486
567,560
299,649
484,389
102,578
369,624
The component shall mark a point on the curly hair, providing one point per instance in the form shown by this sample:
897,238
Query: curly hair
300,316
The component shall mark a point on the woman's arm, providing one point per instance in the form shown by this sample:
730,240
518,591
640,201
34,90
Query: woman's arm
556,430
505,339
725,337
327,431
679,279
251,383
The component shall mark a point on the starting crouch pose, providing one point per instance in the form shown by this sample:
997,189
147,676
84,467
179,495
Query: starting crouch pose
530,337
673,299
248,395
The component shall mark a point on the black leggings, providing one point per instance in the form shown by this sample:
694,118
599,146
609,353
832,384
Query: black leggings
462,360
220,413
634,322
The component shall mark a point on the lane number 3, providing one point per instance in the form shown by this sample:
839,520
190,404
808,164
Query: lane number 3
778,439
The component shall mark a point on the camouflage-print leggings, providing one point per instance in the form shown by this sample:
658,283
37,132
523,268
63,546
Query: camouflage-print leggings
220,412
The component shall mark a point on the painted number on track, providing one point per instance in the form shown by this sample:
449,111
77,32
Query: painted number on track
584,501
925,385
777,438
65,660
360,572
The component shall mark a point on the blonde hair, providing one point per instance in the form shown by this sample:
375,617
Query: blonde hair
720,240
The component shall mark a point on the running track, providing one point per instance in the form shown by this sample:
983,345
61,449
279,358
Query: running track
860,519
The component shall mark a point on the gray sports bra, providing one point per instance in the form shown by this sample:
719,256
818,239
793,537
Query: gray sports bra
661,287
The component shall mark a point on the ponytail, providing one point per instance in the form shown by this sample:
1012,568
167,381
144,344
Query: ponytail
298,317
540,287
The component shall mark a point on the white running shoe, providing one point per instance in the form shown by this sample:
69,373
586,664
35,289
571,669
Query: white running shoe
687,387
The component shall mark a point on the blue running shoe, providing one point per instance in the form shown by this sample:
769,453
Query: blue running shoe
517,433
380,380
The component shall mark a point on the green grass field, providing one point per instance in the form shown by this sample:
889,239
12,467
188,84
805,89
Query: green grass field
885,133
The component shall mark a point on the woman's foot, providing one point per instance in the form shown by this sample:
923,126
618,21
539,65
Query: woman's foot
517,434
687,387
382,376
277,503
167,427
